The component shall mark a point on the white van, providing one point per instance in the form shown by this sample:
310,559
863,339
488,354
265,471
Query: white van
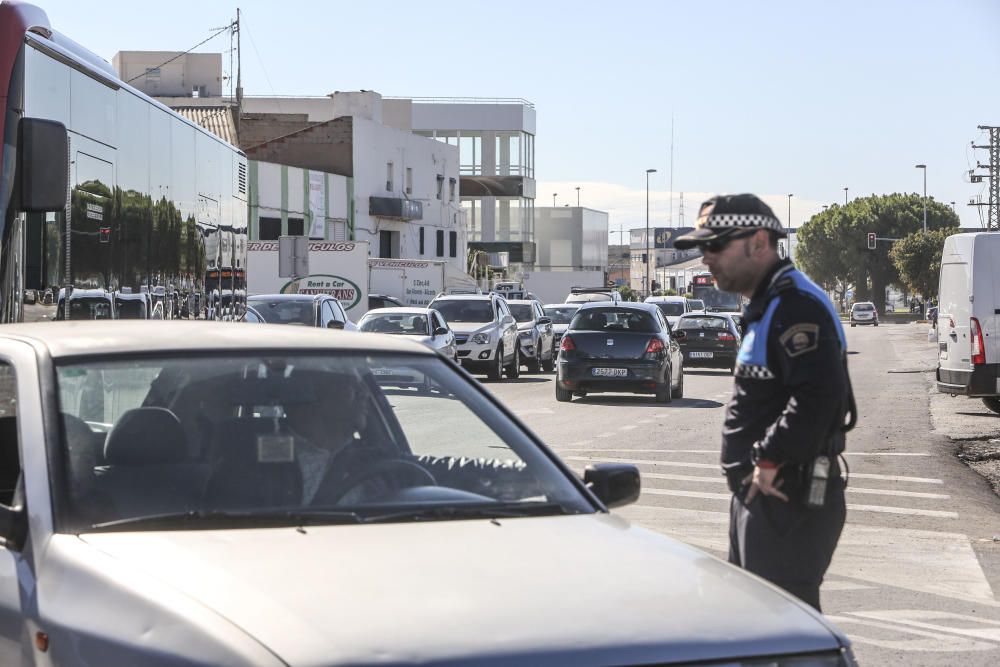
969,317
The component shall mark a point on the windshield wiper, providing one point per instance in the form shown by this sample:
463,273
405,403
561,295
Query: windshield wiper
288,517
475,511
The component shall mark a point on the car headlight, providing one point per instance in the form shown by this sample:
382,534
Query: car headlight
481,339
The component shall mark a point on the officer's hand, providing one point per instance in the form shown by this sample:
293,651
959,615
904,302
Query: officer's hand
764,481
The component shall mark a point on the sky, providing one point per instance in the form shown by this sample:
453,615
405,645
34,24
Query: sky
776,98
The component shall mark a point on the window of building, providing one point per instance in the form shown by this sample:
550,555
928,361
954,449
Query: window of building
270,229
453,244
440,243
296,227
440,185
421,240
388,176
388,244
451,189
409,180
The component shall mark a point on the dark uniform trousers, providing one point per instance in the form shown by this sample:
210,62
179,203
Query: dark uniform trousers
789,401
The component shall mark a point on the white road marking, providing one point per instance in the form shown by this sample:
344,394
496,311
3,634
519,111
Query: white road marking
605,435
932,641
902,494
678,464
902,510
628,427
844,585
716,451
646,421
896,478
688,494
684,478
918,618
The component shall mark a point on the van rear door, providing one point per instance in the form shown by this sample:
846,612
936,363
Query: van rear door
954,311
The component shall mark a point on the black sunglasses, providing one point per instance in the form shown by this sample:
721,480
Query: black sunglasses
718,245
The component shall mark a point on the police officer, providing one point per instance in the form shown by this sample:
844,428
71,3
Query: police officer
791,405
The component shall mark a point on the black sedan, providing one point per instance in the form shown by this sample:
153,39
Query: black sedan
619,347
708,341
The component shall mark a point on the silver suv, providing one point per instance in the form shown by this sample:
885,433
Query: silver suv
485,333
535,332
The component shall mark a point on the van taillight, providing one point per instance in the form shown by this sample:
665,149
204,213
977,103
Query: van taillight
976,341
567,344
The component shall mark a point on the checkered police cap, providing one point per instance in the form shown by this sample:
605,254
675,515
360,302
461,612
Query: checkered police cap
727,214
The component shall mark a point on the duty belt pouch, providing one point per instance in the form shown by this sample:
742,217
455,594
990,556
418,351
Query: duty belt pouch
817,476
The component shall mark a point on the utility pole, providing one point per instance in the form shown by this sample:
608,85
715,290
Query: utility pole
239,80
670,207
680,212
993,210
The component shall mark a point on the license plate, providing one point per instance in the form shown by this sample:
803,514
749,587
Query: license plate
609,372
700,355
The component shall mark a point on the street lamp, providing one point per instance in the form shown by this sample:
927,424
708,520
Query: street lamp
845,196
646,269
953,207
578,196
924,168
790,213
554,199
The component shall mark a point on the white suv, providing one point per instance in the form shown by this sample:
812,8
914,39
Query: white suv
864,312
485,333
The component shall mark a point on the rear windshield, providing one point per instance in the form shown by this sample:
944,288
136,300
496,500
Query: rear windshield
286,312
696,304
671,308
561,314
522,312
864,306
612,319
465,310
719,323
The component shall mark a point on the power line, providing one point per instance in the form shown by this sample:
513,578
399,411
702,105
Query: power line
167,62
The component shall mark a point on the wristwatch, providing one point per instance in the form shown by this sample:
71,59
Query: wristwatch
758,458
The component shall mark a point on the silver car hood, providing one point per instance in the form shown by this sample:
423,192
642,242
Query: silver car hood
583,590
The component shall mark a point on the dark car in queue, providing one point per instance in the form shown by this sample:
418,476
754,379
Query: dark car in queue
619,347
711,340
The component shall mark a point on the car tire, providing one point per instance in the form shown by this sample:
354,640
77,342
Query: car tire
853,325
495,373
679,391
664,394
514,370
549,365
563,395
732,370
992,402
876,324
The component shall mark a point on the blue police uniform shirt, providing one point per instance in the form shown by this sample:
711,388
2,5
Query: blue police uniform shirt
791,387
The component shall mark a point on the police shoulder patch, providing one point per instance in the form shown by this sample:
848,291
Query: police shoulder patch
800,338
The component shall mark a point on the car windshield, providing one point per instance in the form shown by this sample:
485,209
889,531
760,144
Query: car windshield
281,311
465,310
522,312
164,442
410,324
613,319
696,304
718,323
561,314
671,308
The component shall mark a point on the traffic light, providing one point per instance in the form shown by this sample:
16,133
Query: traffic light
871,240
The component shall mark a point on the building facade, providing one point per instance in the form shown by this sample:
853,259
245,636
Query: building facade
571,238
662,254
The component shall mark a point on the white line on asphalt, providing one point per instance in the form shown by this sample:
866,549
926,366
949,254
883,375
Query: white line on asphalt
678,464
605,435
896,478
716,451
646,421
902,494
683,478
688,494
902,510
628,427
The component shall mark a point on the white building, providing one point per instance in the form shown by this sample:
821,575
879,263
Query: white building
164,74
571,238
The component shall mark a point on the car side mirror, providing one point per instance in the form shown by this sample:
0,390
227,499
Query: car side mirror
507,319
614,484
441,331
545,320
43,166
335,324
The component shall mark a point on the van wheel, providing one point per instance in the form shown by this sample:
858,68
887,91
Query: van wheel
993,403
563,395
495,373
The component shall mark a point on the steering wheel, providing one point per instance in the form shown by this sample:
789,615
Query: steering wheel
385,468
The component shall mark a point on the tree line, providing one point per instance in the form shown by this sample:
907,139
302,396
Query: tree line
833,246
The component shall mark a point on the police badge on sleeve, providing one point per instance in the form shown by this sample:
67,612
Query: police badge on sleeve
800,338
